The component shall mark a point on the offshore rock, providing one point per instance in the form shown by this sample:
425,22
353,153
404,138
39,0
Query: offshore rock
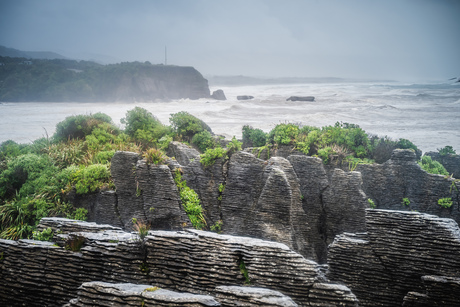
37,273
218,95
389,263
301,98
244,97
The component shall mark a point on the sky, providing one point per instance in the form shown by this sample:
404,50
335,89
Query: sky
405,40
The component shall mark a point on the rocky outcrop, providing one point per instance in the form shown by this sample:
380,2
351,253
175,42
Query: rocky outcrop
450,162
438,291
146,192
290,198
244,97
391,262
182,153
218,95
39,273
263,200
301,98
291,201
401,177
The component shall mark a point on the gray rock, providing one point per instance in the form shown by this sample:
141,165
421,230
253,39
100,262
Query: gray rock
244,97
183,153
439,291
401,177
218,95
251,296
387,262
196,262
123,294
301,98
263,200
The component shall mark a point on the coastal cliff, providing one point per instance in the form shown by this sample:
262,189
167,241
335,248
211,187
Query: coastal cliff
67,80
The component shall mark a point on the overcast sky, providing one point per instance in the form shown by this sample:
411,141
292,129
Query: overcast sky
407,40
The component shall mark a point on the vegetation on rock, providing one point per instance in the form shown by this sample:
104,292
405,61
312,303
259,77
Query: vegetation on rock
36,179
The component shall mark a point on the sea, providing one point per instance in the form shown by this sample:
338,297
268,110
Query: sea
426,114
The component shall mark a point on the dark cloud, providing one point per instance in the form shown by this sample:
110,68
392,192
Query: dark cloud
412,39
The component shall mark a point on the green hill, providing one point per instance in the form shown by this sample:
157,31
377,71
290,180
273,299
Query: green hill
23,79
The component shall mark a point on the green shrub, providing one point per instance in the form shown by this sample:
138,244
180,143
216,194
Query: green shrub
190,202
217,227
406,144
102,137
67,153
104,157
154,156
91,178
350,136
432,166
233,146
79,126
143,126
203,140
210,156
447,150
371,203
11,149
186,125
78,214
141,228
253,137
405,201
45,235
26,174
326,154
445,202
283,134
15,221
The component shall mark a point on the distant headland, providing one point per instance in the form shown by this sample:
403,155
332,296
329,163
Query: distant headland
48,80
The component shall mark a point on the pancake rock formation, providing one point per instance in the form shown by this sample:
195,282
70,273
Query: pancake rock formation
403,258
205,268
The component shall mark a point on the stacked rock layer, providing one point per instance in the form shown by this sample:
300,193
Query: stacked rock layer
39,273
405,257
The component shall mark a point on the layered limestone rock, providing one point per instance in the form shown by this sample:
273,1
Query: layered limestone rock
401,177
146,192
196,262
390,262
290,198
291,201
127,294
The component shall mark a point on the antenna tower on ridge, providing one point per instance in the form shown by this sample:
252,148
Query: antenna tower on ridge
166,56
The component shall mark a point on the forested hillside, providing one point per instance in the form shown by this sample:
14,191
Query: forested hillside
23,79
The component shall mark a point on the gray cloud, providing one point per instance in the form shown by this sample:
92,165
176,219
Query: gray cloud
408,40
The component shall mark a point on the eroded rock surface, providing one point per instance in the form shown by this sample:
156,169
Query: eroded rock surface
401,177
39,273
388,262
127,294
